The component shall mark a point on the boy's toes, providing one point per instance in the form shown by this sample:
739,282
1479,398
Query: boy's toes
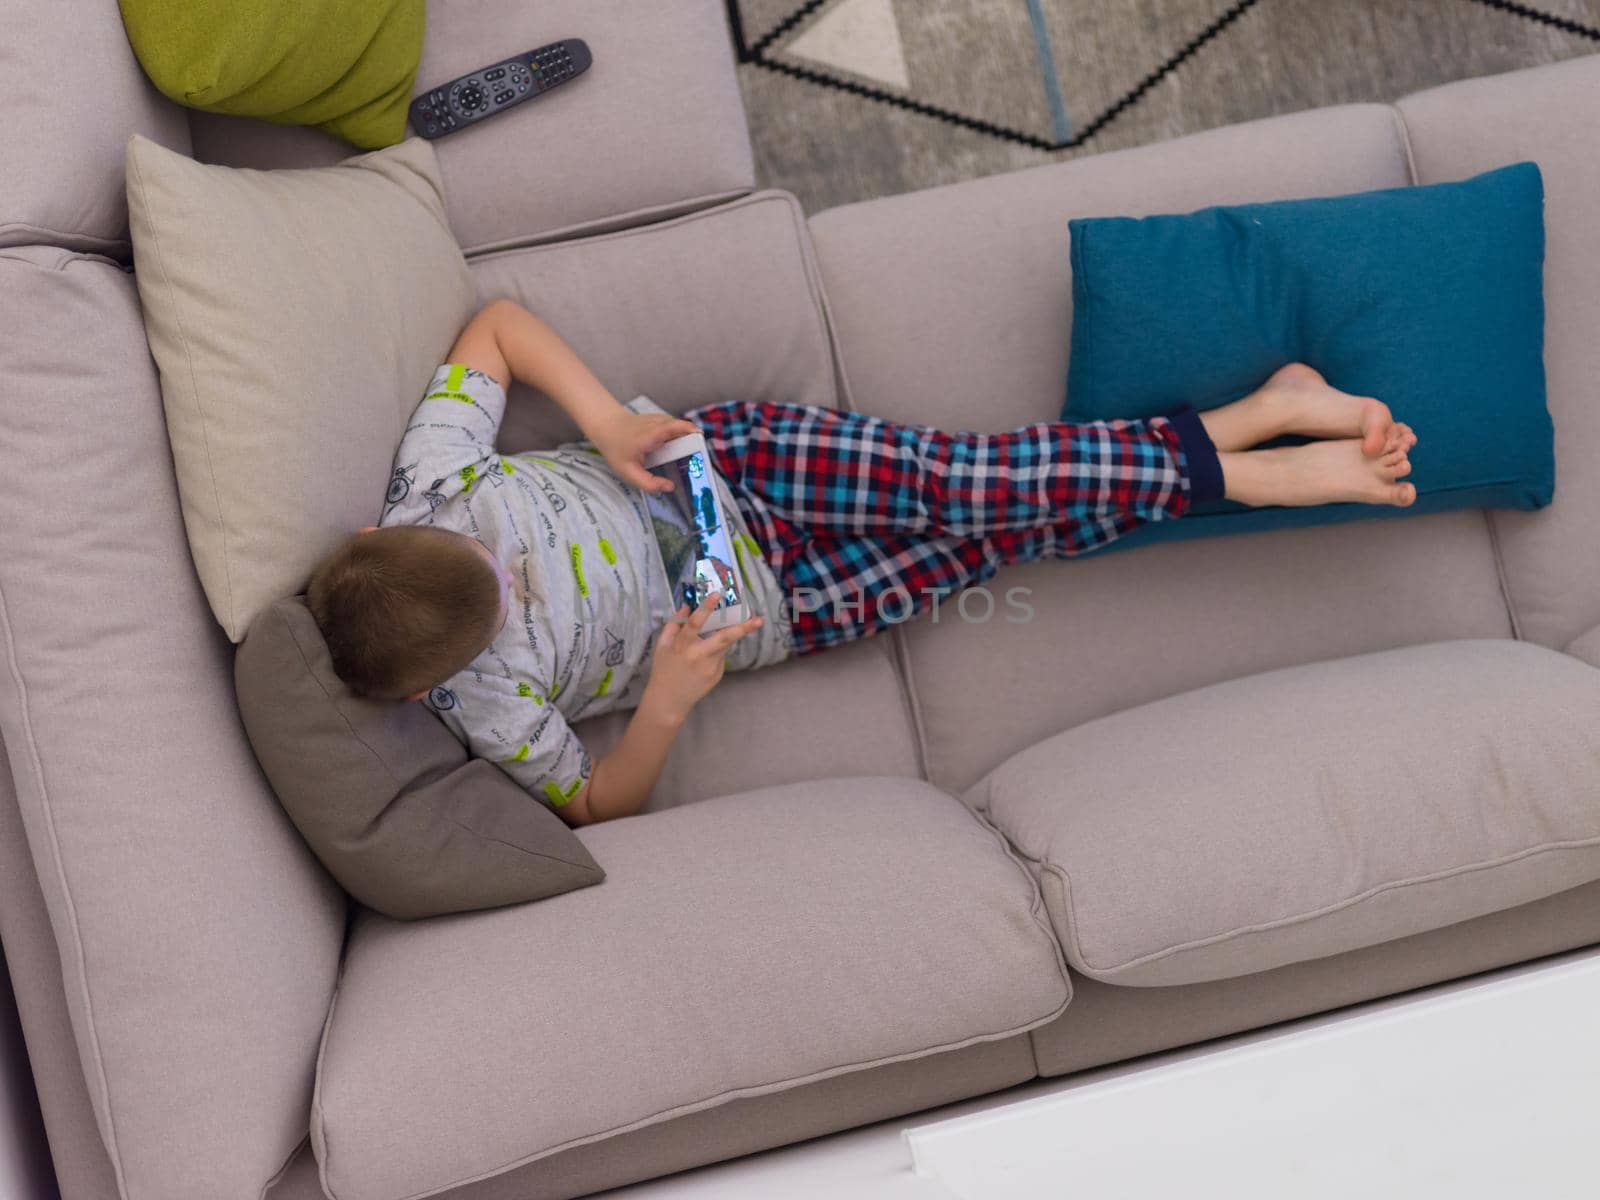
1377,427
1401,495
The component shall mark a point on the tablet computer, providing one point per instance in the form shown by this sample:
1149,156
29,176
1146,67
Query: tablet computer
693,532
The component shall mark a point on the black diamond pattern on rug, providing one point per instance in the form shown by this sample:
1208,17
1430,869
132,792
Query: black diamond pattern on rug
853,98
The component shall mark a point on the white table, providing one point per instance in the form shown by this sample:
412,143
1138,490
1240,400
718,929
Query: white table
1483,1088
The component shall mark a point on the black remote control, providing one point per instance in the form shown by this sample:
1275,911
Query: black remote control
483,93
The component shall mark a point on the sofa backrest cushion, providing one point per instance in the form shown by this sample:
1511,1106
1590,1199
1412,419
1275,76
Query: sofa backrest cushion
199,940
62,183
1551,557
656,123
385,795
345,66
720,304
297,317
952,306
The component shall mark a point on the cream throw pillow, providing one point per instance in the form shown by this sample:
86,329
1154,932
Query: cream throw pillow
296,317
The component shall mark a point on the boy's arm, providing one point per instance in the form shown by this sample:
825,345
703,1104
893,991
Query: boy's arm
506,342
623,778
448,442
686,667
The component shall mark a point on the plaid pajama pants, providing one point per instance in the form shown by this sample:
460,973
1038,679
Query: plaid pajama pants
867,521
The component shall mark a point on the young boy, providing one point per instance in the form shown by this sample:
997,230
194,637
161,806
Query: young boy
518,593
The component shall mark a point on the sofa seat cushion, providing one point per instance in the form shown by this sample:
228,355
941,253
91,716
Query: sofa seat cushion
1310,811
739,946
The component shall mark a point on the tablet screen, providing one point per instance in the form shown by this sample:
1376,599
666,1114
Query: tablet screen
696,544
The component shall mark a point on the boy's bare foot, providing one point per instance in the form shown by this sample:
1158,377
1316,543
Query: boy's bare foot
1312,407
1327,472
1297,399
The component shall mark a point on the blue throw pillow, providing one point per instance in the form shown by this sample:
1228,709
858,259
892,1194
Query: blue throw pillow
1429,298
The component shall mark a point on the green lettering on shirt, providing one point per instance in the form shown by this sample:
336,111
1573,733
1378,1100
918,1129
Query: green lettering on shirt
521,755
469,476
525,690
605,683
457,376
559,796
575,551
607,553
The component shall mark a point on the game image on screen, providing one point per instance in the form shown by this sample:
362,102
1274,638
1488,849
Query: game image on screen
695,547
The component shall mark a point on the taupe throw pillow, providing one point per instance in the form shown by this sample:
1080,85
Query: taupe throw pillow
385,795
296,317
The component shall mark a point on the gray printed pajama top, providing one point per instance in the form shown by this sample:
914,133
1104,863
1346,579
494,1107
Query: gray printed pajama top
590,594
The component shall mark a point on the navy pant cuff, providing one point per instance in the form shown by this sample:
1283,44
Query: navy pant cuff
1205,469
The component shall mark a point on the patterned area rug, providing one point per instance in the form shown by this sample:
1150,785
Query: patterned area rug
850,99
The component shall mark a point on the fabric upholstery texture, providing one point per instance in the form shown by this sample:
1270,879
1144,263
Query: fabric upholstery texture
1109,1023
198,938
1130,628
1430,298
82,1169
193,938
741,1126
1310,811
716,305
458,1048
950,307
842,713
1551,557
345,66
63,180
385,795
296,317
656,119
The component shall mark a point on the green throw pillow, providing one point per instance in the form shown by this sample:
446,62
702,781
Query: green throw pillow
345,66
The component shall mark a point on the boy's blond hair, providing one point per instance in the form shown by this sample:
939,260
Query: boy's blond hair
405,608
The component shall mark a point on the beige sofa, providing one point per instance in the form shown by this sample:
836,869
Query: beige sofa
1211,785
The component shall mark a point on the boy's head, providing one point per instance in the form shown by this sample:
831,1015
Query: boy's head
403,609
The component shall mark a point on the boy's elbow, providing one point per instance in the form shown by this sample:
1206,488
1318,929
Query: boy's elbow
576,812
497,312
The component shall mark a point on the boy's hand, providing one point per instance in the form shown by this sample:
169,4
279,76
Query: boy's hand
625,438
687,666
